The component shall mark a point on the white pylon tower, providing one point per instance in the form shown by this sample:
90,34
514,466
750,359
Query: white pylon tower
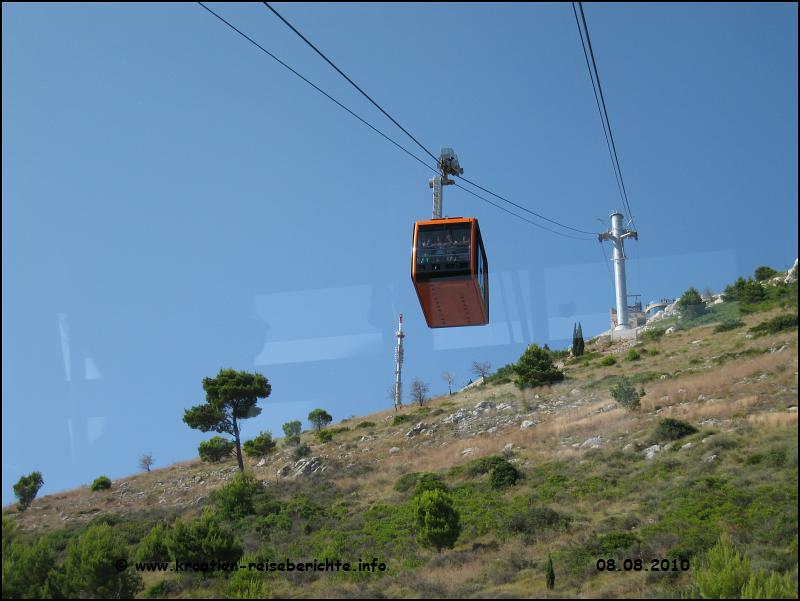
617,236
398,366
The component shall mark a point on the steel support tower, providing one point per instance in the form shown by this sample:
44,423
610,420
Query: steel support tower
617,236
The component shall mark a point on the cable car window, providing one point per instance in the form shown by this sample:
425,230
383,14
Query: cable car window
481,268
443,250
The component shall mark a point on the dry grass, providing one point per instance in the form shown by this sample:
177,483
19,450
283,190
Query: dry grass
774,420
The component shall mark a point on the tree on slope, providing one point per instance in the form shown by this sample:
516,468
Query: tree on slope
230,397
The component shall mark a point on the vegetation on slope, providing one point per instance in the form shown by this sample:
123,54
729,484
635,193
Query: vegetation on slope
528,510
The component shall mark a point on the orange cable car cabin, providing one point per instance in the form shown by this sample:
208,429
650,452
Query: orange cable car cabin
450,272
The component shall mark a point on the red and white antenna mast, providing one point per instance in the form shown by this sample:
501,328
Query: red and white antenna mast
398,366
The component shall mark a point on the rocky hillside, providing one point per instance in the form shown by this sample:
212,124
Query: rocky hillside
598,482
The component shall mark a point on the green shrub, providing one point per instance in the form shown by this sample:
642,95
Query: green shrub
691,305
482,465
26,489
673,429
764,273
89,567
302,450
437,521
406,482
728,325
291,431
534,521
28,569
324,436
215,449
653,335
401,418
653,352
745,291
502,376
101,483
260,446
202,538
770,585
366,424
250,584
237,498
160,590
775,457
608,360
426,482
777,324
624,392
613,542
632,355
153,547
535,368
503,475
724,573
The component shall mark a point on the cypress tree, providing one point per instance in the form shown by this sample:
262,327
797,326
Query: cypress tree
579,346
550,574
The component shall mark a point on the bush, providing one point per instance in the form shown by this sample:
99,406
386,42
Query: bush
724,573
764,273
28,569
653,335
503,475
406,482
537,520
401,418
728,325
302,450
261,446
632,355
777,324
673,429
608,360
483,465
201,539
727,574
26,489
691,304
153,547
745,291
101,483
426,482
291,431
324,436
438,521
215,449
502,376
366,424
770,585
237,498
535,368
89,567
624,392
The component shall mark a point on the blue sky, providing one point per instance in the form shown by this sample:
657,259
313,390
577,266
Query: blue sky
174,202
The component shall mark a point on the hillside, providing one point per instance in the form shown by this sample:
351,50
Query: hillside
596,483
